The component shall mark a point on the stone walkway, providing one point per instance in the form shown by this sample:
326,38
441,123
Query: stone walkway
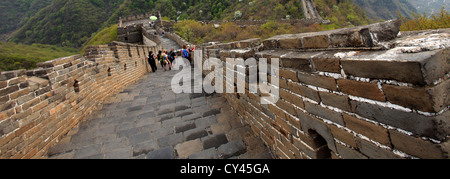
168,44
148,121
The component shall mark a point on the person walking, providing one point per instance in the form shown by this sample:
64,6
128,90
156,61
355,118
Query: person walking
166,61
152,62
160,58
185,53
172,55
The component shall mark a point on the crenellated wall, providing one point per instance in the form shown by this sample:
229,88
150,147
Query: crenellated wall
361,92
38,107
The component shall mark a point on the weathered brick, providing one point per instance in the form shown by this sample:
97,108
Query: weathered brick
7,105
416,123
324,112
327,64
285,127
418,68
298,60
16,80
277,111
354,37
20,93
188,148
370,130
290,43
343,136
286,106
316,41
331,99
348,153
3,84
416,146
318,80
9,90
373,151
289,74
283,151
421,98
304,91
292,98
361,89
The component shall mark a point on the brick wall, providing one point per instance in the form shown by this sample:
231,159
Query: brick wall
358,93
38,107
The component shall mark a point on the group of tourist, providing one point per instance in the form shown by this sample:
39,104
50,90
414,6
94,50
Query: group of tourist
166,59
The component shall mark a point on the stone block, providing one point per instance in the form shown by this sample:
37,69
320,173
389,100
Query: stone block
304,91
316,41
324,113
205,154
286,106
298,60
338,101
215,141
416,146
348,153
165,153
370,130
421,68
289,74
292,42
318,80
353,37
408,121
233,148
327,62
292,98
188,148
427,99
9,90
343,135
361,89
373,151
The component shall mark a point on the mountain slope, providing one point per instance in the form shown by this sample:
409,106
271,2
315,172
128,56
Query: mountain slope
14,13
386,9
66,23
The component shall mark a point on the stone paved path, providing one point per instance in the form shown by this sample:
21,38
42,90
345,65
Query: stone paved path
148,121
168,44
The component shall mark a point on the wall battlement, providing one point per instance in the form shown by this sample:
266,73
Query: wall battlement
38,107
361,92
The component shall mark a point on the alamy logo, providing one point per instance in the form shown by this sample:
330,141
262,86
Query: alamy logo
238,71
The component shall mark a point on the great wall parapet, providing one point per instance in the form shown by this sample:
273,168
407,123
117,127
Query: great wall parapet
38,107
346,94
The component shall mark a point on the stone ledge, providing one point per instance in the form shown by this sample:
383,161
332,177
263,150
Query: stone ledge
361,36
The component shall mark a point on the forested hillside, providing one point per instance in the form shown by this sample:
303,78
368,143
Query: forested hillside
66,22
14,13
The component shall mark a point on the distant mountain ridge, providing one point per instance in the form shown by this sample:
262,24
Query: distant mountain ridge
430,6
386,9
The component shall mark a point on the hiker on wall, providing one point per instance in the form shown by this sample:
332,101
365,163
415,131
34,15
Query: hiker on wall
152,61
186,54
